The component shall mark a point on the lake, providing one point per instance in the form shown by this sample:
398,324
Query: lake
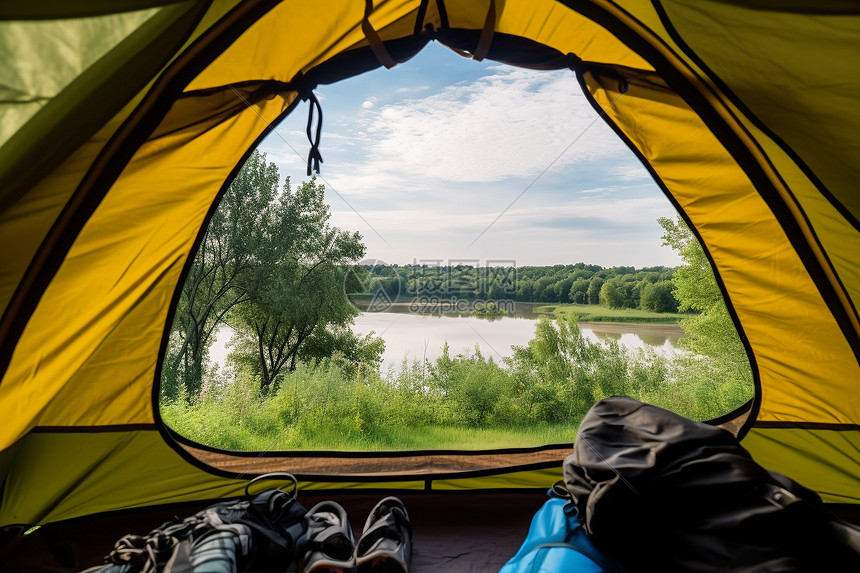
419,336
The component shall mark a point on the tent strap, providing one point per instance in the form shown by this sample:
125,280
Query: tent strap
486,39
376,44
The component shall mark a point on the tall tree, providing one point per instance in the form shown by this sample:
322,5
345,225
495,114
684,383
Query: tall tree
612,293
579,291
298,280
594,286
214,283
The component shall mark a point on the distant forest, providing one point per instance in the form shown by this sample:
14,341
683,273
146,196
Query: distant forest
648,288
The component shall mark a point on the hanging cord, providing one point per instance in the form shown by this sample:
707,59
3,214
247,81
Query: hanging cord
314,155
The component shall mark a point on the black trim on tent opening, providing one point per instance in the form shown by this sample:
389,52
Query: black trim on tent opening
794,155
739,151
771,425
741,410
508,49
166,433
169,438
419,477
110,163
505,48
363,454
416,477
752,404
360,60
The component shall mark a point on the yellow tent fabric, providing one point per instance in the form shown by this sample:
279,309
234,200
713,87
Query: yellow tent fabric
121,124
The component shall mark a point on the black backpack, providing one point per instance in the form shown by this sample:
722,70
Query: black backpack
659,492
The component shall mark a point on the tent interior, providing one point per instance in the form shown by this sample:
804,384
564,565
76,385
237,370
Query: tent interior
122,124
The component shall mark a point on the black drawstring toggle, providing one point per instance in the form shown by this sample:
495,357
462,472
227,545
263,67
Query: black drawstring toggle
314,155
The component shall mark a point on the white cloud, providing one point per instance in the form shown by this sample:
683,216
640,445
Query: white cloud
620,231
631,171
429,216
507,124
429,174
288,160
412,89
511,123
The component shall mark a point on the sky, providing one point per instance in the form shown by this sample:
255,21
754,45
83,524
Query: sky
445,160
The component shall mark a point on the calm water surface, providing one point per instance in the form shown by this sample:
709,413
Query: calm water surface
417,336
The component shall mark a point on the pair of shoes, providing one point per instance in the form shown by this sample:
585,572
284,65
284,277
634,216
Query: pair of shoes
384,547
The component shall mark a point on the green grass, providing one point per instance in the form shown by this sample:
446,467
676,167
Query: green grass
599,313
453,437
334,413
394,439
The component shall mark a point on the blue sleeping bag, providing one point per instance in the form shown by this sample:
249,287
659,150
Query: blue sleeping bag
556,542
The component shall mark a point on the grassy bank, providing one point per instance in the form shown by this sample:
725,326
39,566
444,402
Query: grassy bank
466,401
599,313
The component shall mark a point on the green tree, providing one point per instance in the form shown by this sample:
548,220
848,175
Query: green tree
525,289
496,291
543,291
472,384
355,355
710,330
555,369
612,293
562,289
594,287
298,280
214,283
658,297
579,291
581,273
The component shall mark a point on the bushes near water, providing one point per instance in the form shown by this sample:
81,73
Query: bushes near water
468,401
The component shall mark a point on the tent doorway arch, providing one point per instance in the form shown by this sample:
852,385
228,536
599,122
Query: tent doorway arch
423,191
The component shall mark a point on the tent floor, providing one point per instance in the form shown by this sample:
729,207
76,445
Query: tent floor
458,532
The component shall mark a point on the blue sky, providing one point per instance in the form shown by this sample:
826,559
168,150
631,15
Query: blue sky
423,158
